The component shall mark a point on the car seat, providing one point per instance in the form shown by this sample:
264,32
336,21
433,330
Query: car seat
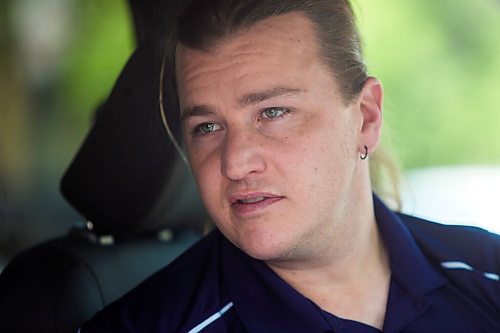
139,201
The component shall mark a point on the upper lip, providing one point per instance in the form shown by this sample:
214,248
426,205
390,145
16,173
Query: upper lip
235,198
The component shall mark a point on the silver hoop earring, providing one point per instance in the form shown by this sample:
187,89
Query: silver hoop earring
365,155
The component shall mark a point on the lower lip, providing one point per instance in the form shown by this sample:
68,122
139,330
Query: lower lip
252,208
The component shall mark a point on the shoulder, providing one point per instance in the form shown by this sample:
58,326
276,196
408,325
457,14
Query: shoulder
468,244
169,298
469,259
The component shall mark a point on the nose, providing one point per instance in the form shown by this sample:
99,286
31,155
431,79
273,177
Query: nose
242,154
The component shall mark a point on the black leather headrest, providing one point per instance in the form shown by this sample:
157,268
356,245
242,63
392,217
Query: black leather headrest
127,176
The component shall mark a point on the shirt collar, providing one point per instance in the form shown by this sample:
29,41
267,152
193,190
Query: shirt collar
407,261
263,301
412,274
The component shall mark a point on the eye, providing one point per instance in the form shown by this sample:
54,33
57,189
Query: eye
206,128
274,112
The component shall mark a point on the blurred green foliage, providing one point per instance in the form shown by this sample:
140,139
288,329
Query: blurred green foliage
102,43
439,62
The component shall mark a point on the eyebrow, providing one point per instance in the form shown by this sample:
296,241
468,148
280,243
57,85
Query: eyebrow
195,111
260,96
248,99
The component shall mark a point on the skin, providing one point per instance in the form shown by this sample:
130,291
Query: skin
275,151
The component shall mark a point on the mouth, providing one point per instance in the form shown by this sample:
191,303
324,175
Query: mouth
250,200
254,202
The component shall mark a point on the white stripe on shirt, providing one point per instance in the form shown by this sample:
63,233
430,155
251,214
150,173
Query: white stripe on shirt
211,319
463,265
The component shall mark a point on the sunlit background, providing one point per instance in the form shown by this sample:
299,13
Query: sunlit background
439,62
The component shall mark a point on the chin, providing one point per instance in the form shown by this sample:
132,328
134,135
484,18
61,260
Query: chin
262,254
263,248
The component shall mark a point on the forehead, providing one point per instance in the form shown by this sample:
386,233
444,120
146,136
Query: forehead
281,48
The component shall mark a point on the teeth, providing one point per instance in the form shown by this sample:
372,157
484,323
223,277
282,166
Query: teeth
251,200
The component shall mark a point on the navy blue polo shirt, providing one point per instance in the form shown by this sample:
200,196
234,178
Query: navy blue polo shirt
444,279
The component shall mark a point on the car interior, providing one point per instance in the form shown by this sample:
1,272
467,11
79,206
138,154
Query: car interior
131,186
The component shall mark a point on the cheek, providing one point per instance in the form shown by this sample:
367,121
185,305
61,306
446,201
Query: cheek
206,171
319,161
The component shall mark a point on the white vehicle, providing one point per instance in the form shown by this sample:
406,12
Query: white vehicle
468,195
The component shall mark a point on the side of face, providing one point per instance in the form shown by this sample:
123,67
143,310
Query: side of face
273,146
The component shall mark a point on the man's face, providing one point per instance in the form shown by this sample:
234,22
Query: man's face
271,142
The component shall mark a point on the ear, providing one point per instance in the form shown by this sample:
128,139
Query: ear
370,105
